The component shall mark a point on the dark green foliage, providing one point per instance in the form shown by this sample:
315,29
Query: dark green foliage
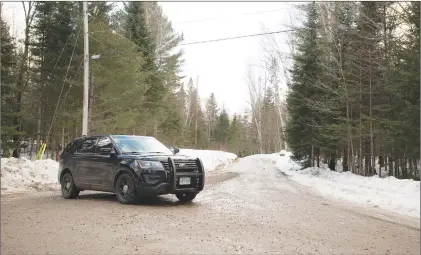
355,87
306,74
8,87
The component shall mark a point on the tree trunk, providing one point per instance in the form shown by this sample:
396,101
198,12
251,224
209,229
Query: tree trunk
312,156
345,161
372,157
390,161
367,165
318,157
397,163
332,161
360,158
32,147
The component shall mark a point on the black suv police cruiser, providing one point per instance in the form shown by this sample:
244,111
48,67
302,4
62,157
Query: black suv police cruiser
130,166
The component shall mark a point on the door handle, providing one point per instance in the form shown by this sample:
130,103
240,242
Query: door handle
94,158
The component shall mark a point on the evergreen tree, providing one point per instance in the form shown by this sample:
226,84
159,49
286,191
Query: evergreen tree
211,113
56,46
138,31
8,86
222,129
301,128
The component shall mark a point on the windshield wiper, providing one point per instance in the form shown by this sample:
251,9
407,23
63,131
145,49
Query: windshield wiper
133,152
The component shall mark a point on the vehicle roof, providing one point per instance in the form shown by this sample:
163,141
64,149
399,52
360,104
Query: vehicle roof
117,135
109,135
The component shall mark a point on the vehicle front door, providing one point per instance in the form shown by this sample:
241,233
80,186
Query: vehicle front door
106,161
84,159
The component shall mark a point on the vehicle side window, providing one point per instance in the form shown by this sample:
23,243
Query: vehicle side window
88,146
103,142
73,146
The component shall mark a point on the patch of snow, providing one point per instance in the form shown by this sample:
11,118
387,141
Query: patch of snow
399,196
211,159
21,175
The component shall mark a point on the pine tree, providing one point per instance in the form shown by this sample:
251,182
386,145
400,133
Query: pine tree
8,72
222,129
138,31
301,128
235,135
211,113
56,46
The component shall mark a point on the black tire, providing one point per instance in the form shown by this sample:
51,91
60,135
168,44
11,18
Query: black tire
186,197
68,187
125,189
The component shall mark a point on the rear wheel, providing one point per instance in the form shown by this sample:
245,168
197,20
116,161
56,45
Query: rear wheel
125,189
68,187
185,197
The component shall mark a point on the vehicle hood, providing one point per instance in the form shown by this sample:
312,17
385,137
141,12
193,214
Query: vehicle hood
157,157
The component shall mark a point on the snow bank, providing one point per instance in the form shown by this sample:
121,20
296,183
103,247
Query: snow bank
399,196
21,175
212,160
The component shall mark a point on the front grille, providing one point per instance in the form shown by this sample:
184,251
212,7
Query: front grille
185,166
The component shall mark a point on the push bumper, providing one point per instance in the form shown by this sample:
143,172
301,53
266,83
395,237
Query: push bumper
172,186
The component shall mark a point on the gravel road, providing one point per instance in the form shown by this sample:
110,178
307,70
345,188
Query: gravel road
249,207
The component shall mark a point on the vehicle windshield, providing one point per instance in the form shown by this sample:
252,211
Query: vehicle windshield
139,144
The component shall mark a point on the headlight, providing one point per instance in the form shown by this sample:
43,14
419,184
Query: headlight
148,166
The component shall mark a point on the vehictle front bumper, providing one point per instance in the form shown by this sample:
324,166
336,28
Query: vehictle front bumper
172,185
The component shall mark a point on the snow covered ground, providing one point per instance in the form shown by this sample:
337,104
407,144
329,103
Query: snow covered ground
212,160
399,196
22,175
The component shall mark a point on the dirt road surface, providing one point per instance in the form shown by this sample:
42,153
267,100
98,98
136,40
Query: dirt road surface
247,208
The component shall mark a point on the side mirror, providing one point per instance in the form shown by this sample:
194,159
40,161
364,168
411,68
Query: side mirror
176,150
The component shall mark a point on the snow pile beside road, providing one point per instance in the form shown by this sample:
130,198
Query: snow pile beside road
399,196
212,160
21,175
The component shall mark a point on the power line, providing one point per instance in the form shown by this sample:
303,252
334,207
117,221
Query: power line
225,17
240,37
55,65
64,82
71,84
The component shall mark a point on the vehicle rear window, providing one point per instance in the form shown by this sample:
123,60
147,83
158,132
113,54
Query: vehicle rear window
72,146
88,146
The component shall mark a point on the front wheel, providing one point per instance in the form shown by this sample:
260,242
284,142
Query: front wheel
125,189
185,197
68,187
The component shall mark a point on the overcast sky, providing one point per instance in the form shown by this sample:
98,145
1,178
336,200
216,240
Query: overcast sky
221,66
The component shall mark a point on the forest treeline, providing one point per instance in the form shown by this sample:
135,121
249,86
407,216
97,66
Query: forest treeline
353,85
136,85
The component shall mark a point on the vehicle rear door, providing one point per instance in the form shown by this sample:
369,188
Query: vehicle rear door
84,158
67,156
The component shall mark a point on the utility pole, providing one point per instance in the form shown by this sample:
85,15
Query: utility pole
197,111
86,71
